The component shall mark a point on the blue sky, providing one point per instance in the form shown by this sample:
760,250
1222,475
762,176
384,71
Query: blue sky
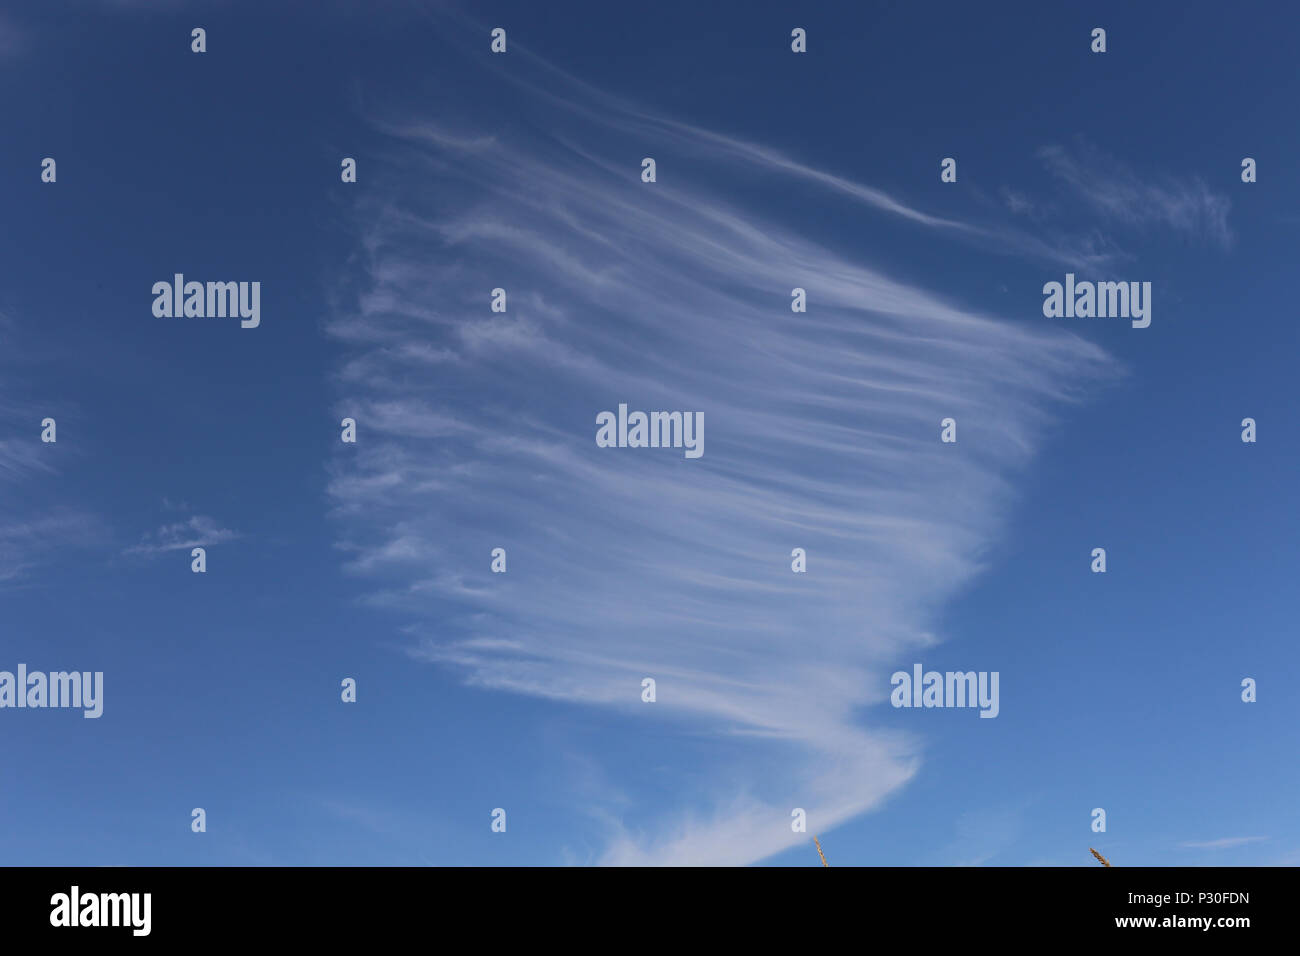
475,431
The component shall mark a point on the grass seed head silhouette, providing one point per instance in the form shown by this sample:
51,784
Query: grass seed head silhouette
819,850
1102,859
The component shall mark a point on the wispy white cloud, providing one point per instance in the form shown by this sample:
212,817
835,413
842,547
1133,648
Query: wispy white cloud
1118,193
549,86
29,542
196,532
1020,204
1224,843
33,531
22,458
822,432
983,835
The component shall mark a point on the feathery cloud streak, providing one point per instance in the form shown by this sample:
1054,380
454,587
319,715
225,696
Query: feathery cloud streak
476,430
